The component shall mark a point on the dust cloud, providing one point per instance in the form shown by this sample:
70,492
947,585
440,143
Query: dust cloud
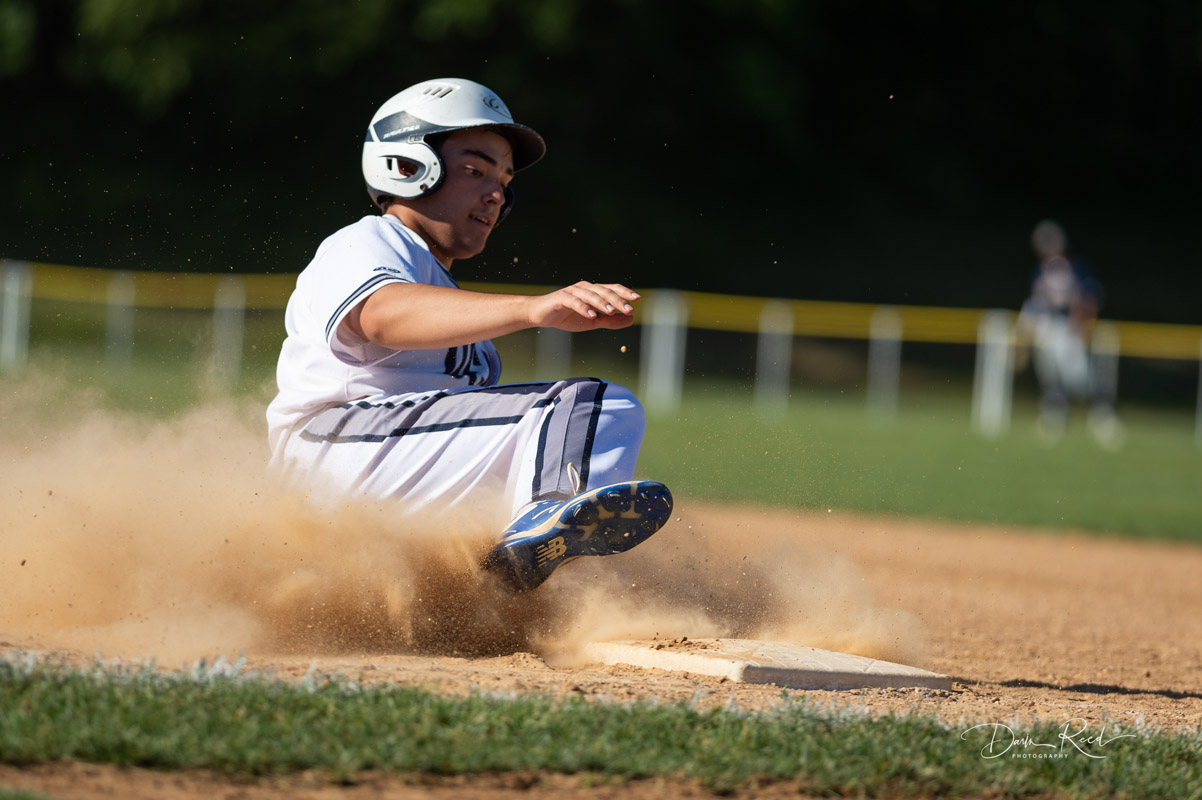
168,539
710,575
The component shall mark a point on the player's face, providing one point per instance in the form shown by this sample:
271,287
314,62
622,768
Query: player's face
457,218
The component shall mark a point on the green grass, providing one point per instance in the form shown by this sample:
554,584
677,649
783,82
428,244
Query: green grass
167,371
254,726
827,453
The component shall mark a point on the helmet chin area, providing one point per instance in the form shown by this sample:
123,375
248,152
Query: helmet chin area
506,207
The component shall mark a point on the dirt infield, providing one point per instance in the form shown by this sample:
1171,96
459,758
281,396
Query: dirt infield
1031,626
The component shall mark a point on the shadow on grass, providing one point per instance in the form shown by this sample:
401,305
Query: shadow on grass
1099,689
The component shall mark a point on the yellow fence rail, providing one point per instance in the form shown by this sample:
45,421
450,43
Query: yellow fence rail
705,310
189,290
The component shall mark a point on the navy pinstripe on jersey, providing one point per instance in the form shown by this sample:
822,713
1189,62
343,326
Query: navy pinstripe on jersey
364,288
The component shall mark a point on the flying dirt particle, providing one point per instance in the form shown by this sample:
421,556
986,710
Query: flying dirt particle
622,348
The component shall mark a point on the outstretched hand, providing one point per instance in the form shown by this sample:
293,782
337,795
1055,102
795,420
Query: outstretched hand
585,306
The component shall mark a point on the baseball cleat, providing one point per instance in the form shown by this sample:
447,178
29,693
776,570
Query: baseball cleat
601,522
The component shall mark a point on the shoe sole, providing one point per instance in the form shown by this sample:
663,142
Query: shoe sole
603,522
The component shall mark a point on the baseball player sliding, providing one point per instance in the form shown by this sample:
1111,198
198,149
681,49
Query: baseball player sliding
388,380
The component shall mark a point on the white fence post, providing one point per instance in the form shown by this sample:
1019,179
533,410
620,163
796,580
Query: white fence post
552,354
662,365
993,382
773,358
229,312
1104,350
884,363
16,293
119,328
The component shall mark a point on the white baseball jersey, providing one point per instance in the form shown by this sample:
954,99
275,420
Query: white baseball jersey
322,363
430,427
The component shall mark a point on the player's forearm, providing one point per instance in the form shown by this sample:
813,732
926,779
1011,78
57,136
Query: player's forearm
411,316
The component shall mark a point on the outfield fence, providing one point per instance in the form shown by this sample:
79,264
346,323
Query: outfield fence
665,316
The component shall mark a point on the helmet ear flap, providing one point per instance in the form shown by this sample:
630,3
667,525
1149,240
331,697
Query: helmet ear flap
401,169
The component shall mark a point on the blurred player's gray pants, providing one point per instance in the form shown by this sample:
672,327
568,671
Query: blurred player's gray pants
1061,364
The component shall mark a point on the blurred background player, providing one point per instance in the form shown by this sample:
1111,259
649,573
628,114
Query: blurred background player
1055,329
388,380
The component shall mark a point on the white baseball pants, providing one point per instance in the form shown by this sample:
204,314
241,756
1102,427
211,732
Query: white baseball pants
504,445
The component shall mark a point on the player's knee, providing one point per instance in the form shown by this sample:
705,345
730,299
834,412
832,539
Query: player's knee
618,406
621,402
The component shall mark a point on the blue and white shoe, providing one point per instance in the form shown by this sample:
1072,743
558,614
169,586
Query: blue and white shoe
601,522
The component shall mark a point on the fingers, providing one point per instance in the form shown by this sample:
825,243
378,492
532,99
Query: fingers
602,298
584,306
614,322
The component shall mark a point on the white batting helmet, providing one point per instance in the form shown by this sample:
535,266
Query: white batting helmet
397,160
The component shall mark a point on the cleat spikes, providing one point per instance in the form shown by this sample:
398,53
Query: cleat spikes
596,523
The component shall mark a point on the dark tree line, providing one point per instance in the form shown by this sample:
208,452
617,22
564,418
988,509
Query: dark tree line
881,150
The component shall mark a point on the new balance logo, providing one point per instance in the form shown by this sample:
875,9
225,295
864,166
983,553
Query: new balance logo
556,548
